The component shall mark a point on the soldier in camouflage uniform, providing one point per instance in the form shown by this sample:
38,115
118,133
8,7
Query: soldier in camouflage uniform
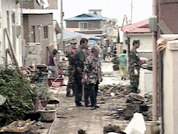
70,84
134,66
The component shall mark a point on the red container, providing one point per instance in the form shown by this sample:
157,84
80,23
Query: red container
50,80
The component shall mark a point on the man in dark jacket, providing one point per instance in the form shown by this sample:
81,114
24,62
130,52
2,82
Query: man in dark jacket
78,64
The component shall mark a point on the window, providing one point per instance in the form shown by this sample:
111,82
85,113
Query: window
8,21
45,32
32,31
50,34
83,25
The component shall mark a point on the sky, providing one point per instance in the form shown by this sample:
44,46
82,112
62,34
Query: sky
142,9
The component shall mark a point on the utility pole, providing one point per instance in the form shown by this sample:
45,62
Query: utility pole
61,42
154,55
131,12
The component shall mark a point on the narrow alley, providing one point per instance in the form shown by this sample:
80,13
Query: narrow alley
53,54
71,118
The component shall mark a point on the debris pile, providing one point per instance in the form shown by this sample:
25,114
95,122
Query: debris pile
81,131
118,90
133,102
112,128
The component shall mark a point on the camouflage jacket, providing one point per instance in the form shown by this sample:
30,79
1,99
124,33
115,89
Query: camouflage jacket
69,56
134,59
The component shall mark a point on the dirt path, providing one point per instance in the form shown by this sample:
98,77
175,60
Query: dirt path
71,119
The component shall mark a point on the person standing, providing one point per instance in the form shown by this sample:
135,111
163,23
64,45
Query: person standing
86,52
91,77
104,53
123,64
134,66
78,63
70,83
109,52
52,65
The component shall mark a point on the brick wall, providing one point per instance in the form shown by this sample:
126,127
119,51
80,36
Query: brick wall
165,1
92,25
169,14
28,4
53,4
71,24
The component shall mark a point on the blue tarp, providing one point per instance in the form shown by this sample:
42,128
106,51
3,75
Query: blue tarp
67,35
92,37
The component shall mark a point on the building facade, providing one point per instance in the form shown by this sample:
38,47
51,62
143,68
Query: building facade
138,31
10,20
40,28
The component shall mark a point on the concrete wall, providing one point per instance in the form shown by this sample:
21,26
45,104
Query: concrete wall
7,22
170,90
39,21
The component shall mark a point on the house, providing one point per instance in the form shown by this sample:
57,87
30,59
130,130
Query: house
139,30
87,23
10,21
40,31
93,23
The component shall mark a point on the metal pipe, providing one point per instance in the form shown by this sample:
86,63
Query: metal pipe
61,42
131,12
154,56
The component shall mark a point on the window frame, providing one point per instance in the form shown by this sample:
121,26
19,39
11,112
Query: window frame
45,32
83,25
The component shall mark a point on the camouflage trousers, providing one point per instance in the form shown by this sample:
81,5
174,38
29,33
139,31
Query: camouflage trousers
134,79
70,83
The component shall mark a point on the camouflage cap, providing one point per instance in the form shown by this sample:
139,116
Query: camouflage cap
136,42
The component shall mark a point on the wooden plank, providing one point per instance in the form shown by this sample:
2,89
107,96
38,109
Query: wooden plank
11,49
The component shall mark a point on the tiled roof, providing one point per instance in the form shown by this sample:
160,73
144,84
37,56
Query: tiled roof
139,27
86,17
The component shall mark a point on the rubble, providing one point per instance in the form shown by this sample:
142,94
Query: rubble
80,131
112,128
134,102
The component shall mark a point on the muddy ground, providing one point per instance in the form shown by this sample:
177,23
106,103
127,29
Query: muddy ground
71,118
